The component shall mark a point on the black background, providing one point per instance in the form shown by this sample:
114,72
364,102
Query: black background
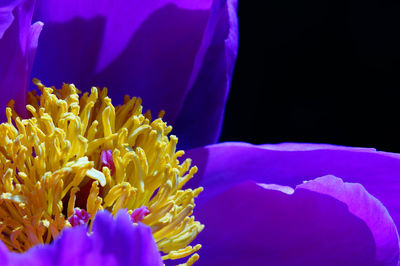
317,71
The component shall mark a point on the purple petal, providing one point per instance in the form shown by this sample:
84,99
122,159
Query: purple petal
160,50
6,16
251,225
292,146
123,19
3,254
201,116
367,208
130,247
224,165
18,43
113,242
69,249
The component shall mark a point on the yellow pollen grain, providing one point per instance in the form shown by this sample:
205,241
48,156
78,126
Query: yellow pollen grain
50,159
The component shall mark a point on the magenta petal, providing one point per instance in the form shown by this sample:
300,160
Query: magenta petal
251,225
17,49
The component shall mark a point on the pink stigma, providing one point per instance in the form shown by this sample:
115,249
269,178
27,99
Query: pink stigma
79,217
139,213
107,160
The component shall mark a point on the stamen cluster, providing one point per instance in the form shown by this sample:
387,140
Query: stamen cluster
82,152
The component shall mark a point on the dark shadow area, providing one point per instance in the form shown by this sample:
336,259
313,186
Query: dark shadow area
317,71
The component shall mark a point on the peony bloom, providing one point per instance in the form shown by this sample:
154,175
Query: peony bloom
79,154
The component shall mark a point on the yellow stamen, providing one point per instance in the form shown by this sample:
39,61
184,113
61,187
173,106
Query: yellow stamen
48,161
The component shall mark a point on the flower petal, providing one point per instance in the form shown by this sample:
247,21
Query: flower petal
367,208
6,16
69,249
264,226
113,242
201,116
3,254
18,43
130,247
166,52
224,165
123,19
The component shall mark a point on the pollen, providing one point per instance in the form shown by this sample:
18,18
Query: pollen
77,155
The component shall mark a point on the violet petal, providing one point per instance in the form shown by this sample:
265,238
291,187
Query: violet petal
222,166
367,208
168,52
113,242
267,227
18,43
130,247
201,116
4,254
6,16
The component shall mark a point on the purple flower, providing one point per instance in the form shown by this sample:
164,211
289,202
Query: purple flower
176,55
179,56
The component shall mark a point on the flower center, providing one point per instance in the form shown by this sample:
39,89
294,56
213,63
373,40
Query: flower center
78,155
